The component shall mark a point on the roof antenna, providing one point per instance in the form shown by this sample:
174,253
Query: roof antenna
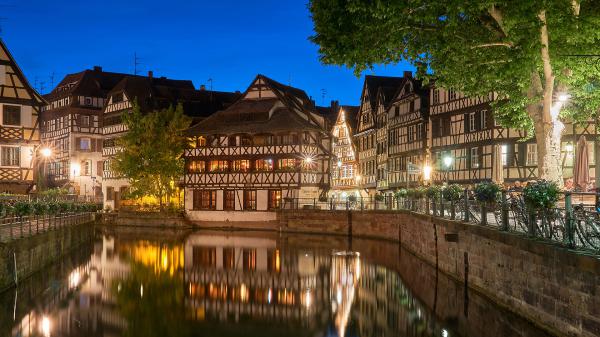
210,80
290,79
136,63
52,80
323,94
42,87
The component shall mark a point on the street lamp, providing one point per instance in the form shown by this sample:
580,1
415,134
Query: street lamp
563,97
447,163
46,152
426,173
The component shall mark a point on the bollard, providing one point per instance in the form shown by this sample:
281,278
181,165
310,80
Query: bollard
504,225
569,237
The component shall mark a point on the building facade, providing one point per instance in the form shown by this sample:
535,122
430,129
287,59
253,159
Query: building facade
150,94
344,162
71,125
254,157
19,130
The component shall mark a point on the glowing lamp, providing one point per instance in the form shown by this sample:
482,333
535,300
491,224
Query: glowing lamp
75,169
46,152
447,161
426,172
563,97
339,163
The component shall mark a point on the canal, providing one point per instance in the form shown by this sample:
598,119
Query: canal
217,283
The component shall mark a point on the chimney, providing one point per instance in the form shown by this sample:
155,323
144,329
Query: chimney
202,87
98,69
150,73
407,73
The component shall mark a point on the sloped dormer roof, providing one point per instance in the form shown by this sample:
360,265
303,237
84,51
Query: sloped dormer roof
267,106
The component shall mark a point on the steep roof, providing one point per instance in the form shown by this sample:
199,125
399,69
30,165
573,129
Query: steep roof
266,106
92,83
16,87
374,83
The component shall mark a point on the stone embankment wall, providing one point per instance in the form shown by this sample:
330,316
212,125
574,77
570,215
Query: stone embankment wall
34,253
556,288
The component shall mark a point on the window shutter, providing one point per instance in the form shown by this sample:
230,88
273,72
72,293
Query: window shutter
99,168
521,156
99,145
78,143
478,121
466,124
510,154
93,145
435,125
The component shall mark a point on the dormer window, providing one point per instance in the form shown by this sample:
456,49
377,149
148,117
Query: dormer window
88,101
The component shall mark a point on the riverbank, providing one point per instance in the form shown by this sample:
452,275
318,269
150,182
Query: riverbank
553,287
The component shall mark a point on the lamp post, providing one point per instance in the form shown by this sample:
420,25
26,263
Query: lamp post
447,163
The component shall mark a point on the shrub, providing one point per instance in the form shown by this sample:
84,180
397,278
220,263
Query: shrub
39,207
452,192
64,206
433,191
379,197
402,193
541,194
487,192
352,198
22,208
53,207
323,198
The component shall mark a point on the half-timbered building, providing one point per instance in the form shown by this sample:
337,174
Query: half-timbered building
19,131
150,94
407,128
344,161
376,93
71,125
268,149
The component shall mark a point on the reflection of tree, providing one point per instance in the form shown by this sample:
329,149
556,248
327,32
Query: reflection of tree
151,303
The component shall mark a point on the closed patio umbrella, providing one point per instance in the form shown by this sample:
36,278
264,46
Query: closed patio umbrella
498,168
581,171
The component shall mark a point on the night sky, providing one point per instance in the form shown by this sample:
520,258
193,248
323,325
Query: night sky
228,41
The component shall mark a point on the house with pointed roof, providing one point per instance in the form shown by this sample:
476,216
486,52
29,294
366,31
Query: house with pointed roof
19,131
371,130
71,125
266,151
150,94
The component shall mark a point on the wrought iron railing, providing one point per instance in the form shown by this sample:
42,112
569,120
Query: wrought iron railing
12,228
570,224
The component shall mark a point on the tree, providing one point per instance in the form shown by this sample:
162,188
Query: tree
521,50
150,155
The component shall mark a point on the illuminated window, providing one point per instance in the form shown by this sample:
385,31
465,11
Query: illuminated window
274,199
264,164
274,260
85,144
250,200
197,166
531,154
204,256
228,258
86,168
505,155
218,165
11,156
474,157
241,165
205,199
286,163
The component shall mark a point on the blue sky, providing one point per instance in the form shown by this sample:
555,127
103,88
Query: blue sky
228,41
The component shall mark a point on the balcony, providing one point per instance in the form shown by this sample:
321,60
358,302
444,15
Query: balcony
252,150
8,133
253,179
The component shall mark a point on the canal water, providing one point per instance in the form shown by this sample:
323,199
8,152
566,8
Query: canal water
169,283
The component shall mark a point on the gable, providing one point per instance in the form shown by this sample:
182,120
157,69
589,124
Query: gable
13,84
259,89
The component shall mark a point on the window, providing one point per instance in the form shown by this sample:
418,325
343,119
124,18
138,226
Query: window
11,115
86,168
205,199
218,165
531,154
274,199
88,101
204,256
229,200
85,121
484,115
472,124
411,106
286,163
110,193
196,166
504,155
396,111
241,165
11,156
451,95
249,200
436,96
264,165
85,144
474,157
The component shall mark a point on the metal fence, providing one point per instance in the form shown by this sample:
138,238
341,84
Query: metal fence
571,224
12,228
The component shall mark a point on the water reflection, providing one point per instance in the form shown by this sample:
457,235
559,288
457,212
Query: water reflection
242,284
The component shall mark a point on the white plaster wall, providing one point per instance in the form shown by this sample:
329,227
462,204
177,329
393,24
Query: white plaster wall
217,216
262,200
219,200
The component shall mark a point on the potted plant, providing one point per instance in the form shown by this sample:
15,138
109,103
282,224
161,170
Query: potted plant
541,197
452,193
487,194
401,194
433,192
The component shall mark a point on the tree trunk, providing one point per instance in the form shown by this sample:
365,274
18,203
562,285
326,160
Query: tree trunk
548,137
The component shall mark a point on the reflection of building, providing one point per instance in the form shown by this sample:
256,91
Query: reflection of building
19,132
345,273
269,146
239,276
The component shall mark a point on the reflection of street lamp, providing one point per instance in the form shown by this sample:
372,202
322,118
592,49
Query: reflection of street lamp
447,163
426,173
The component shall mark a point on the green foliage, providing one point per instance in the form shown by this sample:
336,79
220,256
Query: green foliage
541,194
22,208
452,192
487,192
352,198
53,207
433,191
402,193
64,206
39,207
53,193
379,197
151,155
416,193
